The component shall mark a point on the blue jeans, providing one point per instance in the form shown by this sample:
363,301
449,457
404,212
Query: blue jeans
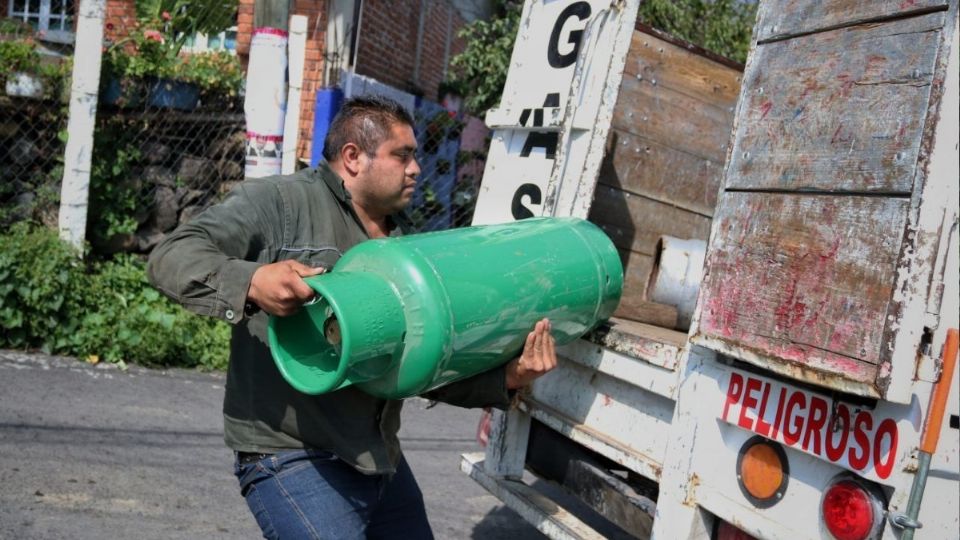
313,494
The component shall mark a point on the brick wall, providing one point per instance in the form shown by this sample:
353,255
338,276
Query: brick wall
316,13
121,17
386,51
388,43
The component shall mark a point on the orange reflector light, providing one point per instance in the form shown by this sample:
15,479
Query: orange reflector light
762,472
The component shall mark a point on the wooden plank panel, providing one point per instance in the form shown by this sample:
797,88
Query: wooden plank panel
636,272
779,19
633,302
803,278
837,111
667,65
673,119
645,167
635,223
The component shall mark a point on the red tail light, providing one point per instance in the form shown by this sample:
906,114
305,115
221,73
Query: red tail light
851,511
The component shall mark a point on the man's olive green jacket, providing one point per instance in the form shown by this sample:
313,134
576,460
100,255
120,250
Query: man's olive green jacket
206,265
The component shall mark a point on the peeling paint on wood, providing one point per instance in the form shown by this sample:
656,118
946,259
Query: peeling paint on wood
837,111
655,345
803,278
664,156
778,20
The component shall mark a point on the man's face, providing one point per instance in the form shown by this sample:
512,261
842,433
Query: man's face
391,174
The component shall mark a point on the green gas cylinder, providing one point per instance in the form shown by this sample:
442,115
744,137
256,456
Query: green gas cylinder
401,316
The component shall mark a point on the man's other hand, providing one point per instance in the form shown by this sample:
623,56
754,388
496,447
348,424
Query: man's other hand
538,357
279,288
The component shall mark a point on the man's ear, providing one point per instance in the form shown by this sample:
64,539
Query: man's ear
352,157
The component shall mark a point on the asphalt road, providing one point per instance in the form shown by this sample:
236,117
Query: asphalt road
95,452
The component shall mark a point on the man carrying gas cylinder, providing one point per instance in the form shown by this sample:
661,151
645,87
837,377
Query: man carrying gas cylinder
330,465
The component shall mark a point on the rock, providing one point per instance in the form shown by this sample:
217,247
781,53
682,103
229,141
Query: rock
196,172
23,151
23,205
227,187
165,209
160,176
230,170
155,153
189,197
231,147
189,212
115,244
148,239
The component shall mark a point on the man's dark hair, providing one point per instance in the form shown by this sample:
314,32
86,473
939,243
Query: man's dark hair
365,121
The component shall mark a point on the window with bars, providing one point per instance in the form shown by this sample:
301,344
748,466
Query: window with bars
224,41
52,19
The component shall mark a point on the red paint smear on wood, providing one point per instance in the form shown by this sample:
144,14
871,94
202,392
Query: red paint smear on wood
765,108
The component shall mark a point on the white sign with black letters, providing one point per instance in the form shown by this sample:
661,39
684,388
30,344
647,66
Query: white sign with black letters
529,123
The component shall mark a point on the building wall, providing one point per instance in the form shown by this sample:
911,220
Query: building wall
121,17
387,49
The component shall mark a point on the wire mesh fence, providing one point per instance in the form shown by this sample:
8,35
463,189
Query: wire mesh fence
33,117
169,134
452,152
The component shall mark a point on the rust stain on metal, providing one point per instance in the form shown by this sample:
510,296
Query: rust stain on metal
692,484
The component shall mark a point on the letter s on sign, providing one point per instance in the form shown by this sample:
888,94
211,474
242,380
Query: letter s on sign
580,10
517,208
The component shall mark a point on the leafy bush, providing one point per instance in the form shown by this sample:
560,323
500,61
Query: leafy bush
40,282
217,73
20,54
105,311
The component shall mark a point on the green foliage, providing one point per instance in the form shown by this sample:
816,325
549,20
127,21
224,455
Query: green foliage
480,71
152,47
182,18
217,73
15,28
114,195
21,55
721,26
40,279
52,301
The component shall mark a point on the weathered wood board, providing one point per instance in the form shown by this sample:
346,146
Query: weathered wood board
636,271
646,167
841,110
664,156
673,66
782,19
804,278
635,222
673,119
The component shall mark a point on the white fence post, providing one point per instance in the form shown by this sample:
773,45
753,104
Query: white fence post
296,48
75,189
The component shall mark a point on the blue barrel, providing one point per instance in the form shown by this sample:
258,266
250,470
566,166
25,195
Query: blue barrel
327,105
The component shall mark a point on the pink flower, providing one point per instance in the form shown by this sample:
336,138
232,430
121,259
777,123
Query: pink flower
165,15
154,35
